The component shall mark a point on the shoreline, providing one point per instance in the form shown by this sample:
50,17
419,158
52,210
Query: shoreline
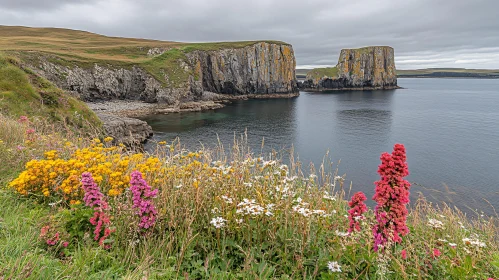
350,89
137,108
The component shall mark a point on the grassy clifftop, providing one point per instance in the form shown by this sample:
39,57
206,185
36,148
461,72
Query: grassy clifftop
22,92
318,73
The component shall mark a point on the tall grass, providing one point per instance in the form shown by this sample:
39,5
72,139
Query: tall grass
276,223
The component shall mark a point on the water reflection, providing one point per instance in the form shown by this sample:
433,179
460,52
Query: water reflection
449,127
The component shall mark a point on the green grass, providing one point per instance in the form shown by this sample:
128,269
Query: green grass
317,73
22,92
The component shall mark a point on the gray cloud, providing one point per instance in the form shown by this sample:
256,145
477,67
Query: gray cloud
424,33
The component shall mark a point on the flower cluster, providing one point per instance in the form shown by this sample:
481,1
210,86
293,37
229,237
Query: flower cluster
142,200
52,237
58,176
436,224
357,209
391,195
218,222
250,207
94,199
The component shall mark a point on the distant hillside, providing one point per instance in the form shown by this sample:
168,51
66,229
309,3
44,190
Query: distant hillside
430,73
448,73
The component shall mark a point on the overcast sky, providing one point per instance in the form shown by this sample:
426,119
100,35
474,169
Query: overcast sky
424,33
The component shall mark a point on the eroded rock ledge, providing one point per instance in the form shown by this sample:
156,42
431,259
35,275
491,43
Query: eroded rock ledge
129,131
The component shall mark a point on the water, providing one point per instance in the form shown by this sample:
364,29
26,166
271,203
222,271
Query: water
450,128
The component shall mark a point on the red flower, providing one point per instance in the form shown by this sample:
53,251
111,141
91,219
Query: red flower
404,254
436,253
391,194
357,208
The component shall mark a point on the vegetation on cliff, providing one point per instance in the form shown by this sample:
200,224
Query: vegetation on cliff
319,73
22,92
208,214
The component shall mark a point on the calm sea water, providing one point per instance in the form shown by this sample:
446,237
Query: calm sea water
450,128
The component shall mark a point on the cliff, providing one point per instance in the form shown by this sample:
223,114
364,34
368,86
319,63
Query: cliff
95,67
364,68
176,76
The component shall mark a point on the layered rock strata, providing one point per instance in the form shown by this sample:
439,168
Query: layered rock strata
358,69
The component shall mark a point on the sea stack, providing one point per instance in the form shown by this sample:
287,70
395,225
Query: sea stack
366,68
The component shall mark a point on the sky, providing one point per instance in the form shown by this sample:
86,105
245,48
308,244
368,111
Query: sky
424,33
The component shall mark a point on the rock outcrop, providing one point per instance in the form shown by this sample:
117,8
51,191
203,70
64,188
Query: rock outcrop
129,131
364,68
259,68
263,68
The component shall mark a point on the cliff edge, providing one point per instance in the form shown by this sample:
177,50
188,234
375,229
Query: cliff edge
357,69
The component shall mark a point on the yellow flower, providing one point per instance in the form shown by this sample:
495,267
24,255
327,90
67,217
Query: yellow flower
108,139
162,143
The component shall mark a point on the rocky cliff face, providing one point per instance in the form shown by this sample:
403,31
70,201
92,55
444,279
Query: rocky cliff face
364,68
260,68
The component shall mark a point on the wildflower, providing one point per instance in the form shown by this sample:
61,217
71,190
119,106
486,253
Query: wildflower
334,267
218,222
249,207
436,224
403,253
93,198
65,244
473,242
453,245
342,234
162,143
329,197
227,199
142,200
436,253
23,119
391,195
357,209
108,139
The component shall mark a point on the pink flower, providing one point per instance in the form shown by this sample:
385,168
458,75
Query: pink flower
142,200
23,119
44,230
404,254
65,244
357,209
95,199
392,195
436,253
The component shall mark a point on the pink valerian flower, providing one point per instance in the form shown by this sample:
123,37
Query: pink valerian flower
357,209
142,200
23,119
391,195
51,236
101,222
95,199
403,253
436,253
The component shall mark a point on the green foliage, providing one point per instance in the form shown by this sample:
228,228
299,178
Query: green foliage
317,73
22,92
